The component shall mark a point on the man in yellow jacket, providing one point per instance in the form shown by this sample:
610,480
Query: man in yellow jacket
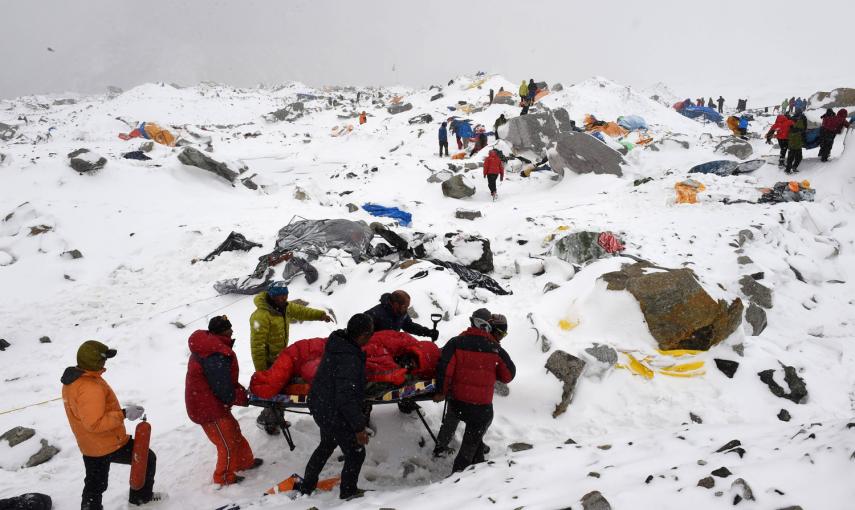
98,424
269,327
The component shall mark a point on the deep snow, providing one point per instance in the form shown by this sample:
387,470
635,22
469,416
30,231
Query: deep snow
139,225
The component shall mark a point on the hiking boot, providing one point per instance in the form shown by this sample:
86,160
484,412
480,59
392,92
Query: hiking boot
358,493
255,463
155,497
441,452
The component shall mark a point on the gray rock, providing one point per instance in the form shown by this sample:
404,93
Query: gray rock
424,118
707,482
7,132
756,292
579,248
557,87
17,435
471,166
735,147
399,108
550,287
603,354
797,386
501,389
44,340
742,489
88,163
722,472
456,187
440,176
4,344
784,415
519,447
46,453
567,368
739,349
352,208
794,507
838,98
71,255
436,96
483,264
506,100
334,281
533,132
727,367
462,214
679,313
562,118
595,501
192,157
147,146
756,317
290,113
581,153
743,260
744,236
695,418
249,183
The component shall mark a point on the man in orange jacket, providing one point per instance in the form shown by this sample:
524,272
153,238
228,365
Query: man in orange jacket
98,424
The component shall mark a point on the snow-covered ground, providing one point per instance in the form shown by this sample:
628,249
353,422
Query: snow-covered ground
139,225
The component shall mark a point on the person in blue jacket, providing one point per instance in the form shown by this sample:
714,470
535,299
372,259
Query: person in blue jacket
443,138
743,126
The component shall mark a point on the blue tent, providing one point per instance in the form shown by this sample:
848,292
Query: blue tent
710,114
403,217
632,122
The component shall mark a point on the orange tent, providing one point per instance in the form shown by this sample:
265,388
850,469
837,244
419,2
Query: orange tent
687,191
612,129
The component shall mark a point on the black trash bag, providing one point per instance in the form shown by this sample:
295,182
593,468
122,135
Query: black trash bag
234,242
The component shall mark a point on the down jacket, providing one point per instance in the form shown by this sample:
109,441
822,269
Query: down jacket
269,328
93,411
470,366
781,128
493,165
301,360
211,387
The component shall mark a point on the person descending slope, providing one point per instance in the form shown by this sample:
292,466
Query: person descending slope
781,130
493,169
467,371
443,138
211,389
98,424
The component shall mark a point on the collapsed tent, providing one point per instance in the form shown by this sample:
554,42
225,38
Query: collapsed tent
695,112
234,242
687,191
593,125
632,122
504,97
150,131
391,357
472,277
403,217
724,167
791,191
541,93
307,240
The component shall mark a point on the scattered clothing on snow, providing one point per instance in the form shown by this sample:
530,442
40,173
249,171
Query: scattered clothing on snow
403,217
234,242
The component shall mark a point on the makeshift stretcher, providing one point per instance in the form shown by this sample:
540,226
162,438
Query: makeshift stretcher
407,396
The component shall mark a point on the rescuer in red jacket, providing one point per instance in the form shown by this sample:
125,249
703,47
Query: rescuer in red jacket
492,169
468,369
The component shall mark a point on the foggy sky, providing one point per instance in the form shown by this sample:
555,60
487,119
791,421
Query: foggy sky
700,47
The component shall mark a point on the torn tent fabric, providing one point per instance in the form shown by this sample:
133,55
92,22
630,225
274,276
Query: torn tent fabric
663,362
791,191
593,125
632,122
725,167
391,356
610,243
403,217
472,277
695,112
308,239
687,191
234,242
151,131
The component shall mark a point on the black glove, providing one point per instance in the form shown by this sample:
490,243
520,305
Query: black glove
434,335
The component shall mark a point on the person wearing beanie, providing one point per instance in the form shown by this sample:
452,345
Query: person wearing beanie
393,314
466,374
211,389
335,401
98,423
269,327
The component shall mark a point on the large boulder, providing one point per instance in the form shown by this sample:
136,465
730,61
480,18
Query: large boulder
7,132
85,161
581,153
796,387
456,187
579,248
837,98
193,157
472,251
506,100
735,147
534,132
567,368
678,311
399,108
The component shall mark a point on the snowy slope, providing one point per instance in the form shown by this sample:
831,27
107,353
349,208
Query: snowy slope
139,225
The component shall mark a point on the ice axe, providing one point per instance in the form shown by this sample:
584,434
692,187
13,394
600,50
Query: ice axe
435,318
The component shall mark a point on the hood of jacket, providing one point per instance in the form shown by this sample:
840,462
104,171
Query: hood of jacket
340,343
842,113
204,343
71,374
262,301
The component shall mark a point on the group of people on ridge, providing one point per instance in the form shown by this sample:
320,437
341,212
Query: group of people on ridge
469,366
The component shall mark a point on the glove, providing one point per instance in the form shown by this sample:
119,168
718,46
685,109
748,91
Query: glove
241,396
326,318
768,141
434,335
133,412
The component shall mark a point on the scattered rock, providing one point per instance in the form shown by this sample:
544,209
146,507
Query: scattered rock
352,208
39,230
639,182
456,187
567,368
178,324
678,311
784,415
581,153
579,248
409,469
399,108
595,501
729,445
501,389
838,98
739,349
722,472
436,96
798,389
17,435
557,87
605,447
440,176
472,251
85,161
743,260
72,255
726,366
603,354
570,441
249,183
550,286
424,118
7,132
648,479
533,132
735,147
744,236
462,214
300,194
519,447
44,340
707,482
756,292
756,317
4,344
335,281
742,489
794,507
147,146
46,453
695,418
193,157
593,474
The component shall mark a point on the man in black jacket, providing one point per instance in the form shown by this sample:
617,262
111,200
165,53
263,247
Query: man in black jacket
335,401
391,314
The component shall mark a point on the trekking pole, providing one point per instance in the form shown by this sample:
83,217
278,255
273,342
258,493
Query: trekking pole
435,318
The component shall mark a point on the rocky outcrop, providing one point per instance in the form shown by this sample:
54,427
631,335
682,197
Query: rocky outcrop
735,147
581,153
567,368
193,157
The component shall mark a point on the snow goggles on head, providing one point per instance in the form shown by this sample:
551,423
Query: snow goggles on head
500,332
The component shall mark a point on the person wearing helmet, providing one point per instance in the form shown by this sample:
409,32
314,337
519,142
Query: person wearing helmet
98,424
467,371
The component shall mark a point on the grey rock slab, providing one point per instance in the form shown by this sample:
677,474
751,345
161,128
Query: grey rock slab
581,153
595,501
17,435
567,368
456,187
